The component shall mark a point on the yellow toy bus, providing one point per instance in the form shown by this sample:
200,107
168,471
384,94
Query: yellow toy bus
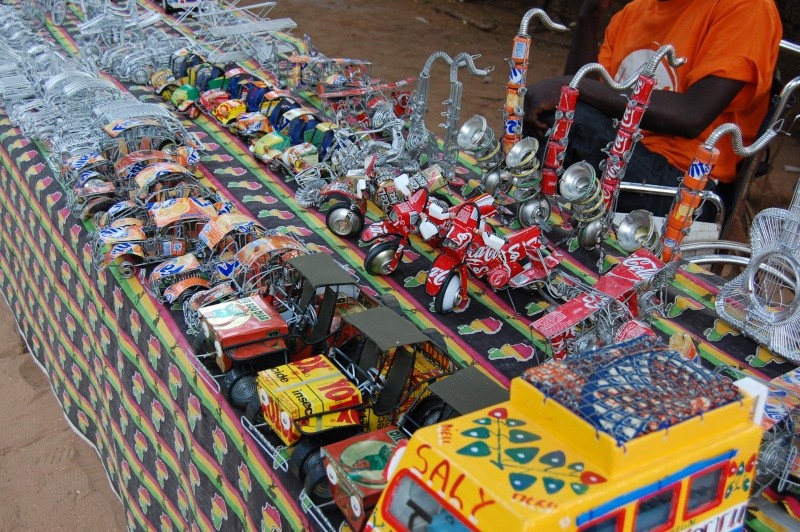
632,437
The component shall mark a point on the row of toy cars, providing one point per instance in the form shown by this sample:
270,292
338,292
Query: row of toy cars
335,165
258,301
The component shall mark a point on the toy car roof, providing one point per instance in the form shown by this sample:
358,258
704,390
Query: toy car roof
321,270
468,390
177,209
216,228
266,246
157,171
386,328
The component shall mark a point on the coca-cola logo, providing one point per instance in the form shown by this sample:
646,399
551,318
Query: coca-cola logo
639,86
592,301
436,276
644,267
482,253
460,238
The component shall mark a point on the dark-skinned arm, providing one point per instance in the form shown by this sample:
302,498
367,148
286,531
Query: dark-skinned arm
672,113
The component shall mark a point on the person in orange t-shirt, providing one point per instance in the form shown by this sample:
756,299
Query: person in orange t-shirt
730,47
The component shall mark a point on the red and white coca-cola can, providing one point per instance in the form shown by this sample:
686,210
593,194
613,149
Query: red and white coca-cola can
632,117
643,89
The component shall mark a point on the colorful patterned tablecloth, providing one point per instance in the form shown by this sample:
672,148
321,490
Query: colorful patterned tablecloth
128,379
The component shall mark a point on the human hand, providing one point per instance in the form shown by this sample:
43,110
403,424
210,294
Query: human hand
540,98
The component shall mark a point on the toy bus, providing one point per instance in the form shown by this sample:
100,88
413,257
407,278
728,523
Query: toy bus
631,437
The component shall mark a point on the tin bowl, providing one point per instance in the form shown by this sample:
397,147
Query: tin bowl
577,181
636,230
475,134
523,153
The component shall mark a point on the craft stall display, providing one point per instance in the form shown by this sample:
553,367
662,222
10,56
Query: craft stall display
252,273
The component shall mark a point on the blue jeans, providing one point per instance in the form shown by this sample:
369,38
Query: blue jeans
592,131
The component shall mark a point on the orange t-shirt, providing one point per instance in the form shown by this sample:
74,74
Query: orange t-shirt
734,39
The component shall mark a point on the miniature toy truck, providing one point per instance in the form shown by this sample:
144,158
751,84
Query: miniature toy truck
356,469
378,367
633,436
291,319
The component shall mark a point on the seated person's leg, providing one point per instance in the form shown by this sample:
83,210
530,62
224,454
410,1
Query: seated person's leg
590,133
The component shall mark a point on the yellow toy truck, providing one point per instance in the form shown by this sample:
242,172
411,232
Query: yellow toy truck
631,437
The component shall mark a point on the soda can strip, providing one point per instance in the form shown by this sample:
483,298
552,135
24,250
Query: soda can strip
549,182
688,199
632,117
643,89
623,144
554,157
568,99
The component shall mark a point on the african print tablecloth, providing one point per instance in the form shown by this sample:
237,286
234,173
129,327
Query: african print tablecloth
126,375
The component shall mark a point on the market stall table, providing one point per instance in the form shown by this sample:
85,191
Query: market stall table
127,375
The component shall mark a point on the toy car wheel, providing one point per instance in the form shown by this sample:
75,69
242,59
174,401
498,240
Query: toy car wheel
126,269
344,221
166,145
185,296
140,76
439,198
429,411
97,219
317,485
535,211
240,386
449,295
302,456
166,92
253,412
378,260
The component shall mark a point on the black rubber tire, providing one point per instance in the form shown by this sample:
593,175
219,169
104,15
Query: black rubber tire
253,412
316,483
239,385
186,295
377,256
439,304
356,221
439,197
302,454
430,411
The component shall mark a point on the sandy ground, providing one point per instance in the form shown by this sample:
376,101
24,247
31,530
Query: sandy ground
49,477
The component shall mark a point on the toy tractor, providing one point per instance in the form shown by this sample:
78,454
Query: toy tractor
293,318
378,365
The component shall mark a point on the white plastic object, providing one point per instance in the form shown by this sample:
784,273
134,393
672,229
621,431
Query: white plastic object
401,182
436,211
427,229
493,241
361,186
